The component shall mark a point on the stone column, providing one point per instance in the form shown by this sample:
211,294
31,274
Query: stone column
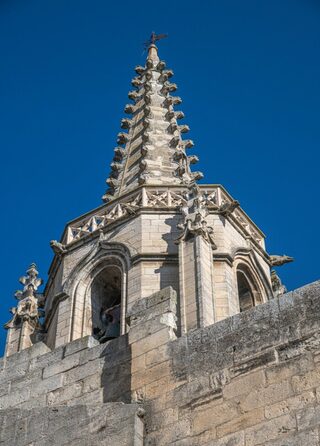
196,264
196,283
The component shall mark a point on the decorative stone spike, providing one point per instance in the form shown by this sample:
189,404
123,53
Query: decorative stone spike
116,166
179,154
123,138
175,141
108,196
173,127
134,95
170,115
149,63
169,73
118,153
184,128
126,123
161,65
163,78
112,182
179,115
193,159
114,174
172,100
187,144
139,69
136,82
129,109
197,176
168,87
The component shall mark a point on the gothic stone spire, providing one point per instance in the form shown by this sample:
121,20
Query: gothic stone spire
151,149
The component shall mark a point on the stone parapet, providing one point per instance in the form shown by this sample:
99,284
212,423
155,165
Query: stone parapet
162,197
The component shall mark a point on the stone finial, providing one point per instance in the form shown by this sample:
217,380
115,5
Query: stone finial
29,302
277,286
194,217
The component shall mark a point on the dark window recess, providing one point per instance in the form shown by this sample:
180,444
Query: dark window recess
106,304
246,297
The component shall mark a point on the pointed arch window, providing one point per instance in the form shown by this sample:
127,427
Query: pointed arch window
248,291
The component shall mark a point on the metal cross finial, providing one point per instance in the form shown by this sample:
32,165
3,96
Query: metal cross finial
154,38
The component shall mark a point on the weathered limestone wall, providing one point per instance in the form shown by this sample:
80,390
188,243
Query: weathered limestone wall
252,379
73,395
82,425
78,373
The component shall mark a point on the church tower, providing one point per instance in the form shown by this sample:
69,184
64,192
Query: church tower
158,227
161,322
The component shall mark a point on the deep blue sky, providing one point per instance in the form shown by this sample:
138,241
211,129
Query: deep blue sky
248,73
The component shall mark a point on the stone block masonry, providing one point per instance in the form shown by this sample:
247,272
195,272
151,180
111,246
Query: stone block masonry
252,379
81,425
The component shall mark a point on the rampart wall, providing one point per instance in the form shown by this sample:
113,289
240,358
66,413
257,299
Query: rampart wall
251,379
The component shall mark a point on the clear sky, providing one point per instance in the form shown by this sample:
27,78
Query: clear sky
248,73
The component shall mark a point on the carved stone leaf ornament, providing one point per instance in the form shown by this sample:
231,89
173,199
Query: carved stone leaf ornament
194,217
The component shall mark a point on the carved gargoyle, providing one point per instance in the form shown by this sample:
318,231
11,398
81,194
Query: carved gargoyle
276,260
228,207
57,247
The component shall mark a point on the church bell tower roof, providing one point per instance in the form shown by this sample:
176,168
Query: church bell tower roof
151,149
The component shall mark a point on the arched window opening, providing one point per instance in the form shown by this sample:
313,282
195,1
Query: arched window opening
245,292
106,304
